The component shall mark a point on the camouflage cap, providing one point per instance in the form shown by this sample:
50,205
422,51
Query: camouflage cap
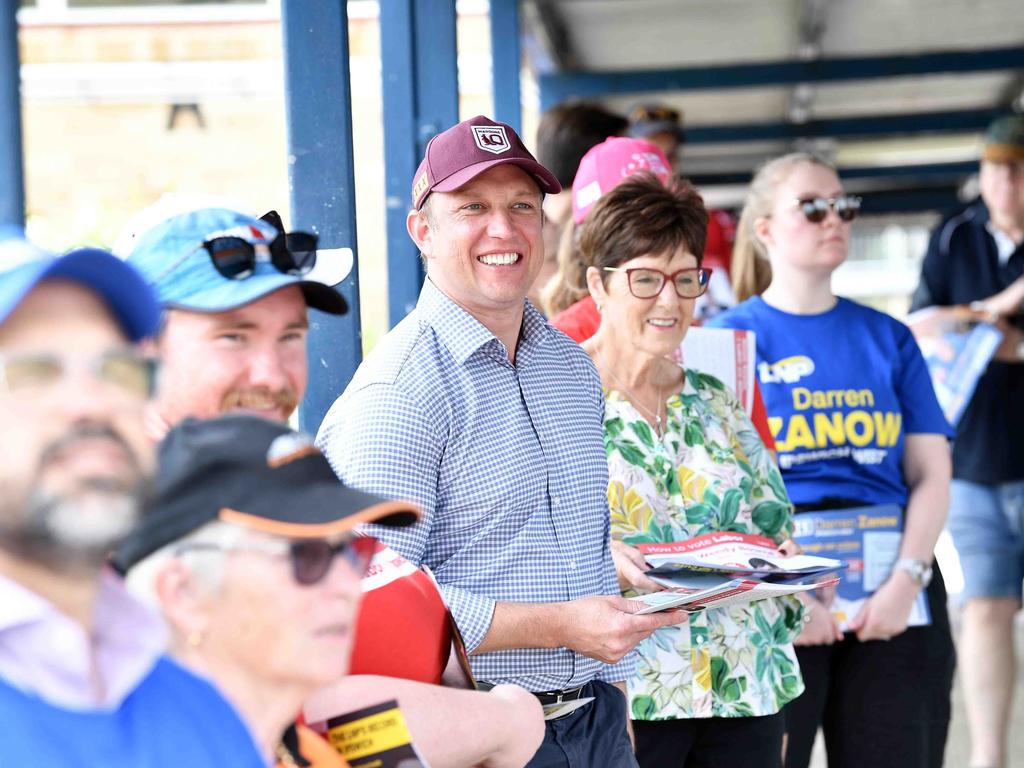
1004,140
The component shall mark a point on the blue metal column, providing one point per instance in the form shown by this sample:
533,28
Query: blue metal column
505,62
321,181
12,184
419,74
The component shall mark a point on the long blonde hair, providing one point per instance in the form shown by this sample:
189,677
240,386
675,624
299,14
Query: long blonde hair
751,272
569,284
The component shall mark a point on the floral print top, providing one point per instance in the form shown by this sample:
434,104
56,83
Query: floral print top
709,472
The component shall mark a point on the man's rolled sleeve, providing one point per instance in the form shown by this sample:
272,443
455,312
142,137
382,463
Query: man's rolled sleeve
378,441
473,614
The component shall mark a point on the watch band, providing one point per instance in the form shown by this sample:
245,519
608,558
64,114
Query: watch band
919,570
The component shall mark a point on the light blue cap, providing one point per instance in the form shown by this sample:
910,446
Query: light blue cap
23,266
172,260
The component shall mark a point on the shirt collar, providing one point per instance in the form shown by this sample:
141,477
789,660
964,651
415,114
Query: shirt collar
1005,246
49,654
462,334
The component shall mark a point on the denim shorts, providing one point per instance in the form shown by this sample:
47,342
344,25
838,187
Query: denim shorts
987,523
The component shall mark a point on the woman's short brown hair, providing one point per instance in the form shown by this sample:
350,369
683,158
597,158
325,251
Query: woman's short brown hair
643,216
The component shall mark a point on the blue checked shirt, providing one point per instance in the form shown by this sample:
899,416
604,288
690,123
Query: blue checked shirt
507,462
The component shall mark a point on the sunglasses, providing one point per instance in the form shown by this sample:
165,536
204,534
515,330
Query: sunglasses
815,209
646,282
311,558
126,370
235,258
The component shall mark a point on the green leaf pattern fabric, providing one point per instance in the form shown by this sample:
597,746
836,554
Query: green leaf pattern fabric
709,472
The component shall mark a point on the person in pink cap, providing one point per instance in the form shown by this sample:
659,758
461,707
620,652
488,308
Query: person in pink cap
567,300
475,409
602,169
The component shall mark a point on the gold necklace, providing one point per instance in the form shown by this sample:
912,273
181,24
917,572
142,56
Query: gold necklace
635,400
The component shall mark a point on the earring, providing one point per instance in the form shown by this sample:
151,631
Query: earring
195,638
598,306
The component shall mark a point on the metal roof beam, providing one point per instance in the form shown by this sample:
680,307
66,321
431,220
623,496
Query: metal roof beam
557,87
967,120
932,173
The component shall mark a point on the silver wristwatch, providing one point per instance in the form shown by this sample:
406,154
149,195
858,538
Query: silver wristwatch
919,570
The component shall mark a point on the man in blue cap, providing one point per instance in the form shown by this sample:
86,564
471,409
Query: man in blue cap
82,678
234,290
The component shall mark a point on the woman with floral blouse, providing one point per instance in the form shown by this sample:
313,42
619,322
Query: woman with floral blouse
684,459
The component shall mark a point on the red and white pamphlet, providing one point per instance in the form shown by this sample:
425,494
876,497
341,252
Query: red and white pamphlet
725,568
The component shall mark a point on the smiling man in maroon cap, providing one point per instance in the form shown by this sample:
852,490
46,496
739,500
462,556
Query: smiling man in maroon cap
491,421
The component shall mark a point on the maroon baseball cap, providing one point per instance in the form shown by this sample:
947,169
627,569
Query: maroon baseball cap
457,156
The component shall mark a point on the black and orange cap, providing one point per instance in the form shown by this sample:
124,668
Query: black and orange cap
255,473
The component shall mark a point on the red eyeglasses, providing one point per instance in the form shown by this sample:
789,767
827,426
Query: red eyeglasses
647,282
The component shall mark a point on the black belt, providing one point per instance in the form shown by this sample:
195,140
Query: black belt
545,697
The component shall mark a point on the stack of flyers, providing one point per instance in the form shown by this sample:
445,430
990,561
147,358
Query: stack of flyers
721,569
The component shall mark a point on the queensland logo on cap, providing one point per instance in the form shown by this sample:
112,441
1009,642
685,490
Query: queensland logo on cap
491,138
287,448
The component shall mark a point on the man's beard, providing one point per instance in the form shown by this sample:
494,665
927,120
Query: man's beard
80,520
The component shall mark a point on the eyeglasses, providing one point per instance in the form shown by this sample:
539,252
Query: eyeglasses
815,209
126,370
646,283
235,258
311,558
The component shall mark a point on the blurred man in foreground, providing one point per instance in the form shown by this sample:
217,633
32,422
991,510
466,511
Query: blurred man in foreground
82,678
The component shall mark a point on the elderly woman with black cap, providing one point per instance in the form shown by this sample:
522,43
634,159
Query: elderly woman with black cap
251,555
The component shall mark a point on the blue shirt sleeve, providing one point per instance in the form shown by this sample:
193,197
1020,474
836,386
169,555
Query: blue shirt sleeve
378,440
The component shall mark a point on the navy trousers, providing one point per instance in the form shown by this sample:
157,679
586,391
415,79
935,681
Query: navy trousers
593,736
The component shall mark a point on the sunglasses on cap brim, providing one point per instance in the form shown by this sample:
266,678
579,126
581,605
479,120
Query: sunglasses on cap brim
292,253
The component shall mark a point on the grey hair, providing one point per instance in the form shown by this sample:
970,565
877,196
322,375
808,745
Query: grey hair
207,565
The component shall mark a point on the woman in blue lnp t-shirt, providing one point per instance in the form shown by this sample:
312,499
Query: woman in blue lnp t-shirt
856,422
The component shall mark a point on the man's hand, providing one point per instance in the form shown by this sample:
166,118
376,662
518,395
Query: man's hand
885,613
605,627
630,567
820,627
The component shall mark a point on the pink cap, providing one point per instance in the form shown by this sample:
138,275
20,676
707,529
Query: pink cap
605,166
457,156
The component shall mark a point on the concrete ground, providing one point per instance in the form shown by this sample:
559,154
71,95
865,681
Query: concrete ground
958,745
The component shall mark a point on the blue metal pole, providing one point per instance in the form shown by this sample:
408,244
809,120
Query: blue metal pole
321,181
12,173
419,75
505,62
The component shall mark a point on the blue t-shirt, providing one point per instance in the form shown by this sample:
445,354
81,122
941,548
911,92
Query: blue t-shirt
842,388
173,719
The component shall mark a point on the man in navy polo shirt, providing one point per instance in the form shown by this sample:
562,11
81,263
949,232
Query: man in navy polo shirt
976,258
